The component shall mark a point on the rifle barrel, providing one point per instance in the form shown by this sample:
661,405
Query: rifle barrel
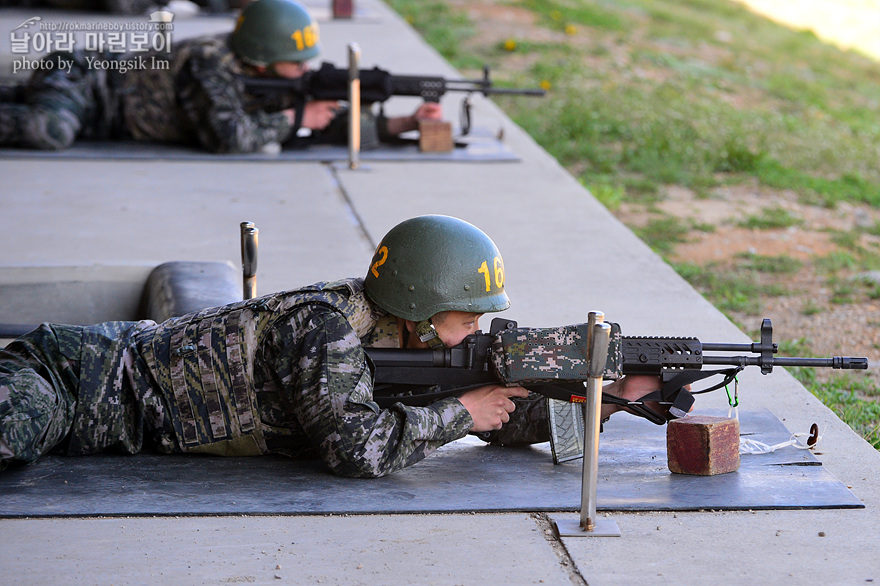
475,85
835,362
733,347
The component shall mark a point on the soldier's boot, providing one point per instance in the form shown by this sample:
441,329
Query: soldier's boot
37,127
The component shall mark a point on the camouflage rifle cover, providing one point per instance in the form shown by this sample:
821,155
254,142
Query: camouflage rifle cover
535,355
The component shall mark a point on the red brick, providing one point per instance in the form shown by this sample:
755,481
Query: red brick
702,445
435,136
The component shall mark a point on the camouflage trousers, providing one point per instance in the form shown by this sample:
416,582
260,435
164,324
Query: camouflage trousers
79,390
61,104
39,379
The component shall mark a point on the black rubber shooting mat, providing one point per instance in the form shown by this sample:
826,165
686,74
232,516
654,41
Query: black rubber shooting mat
479,148
462,477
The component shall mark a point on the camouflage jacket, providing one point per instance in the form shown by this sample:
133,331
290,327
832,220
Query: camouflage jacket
284,373
199,100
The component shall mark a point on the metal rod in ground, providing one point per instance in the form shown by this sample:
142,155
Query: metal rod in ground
354,104
249,245
589,525
593,416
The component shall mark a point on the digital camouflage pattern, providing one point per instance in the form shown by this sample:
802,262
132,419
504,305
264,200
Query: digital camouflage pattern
535,355
285,373
198,99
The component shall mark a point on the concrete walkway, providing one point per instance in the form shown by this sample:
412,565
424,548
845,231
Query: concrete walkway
564,256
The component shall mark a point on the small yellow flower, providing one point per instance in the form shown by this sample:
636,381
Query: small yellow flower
410,19
545,85
571,30
509,45
555,15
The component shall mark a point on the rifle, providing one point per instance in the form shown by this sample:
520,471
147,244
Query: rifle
376,85
553,362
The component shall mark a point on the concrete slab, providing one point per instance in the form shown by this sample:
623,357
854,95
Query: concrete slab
153,212
404,550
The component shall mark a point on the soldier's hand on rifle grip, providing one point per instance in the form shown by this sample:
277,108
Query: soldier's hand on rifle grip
316,115
490,406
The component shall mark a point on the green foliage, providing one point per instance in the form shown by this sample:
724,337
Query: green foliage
611,196
732,291
556,14
847,187
440,25
771,218
771,264
663,233
836,261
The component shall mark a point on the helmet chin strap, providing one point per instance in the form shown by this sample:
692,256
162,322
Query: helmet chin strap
427,334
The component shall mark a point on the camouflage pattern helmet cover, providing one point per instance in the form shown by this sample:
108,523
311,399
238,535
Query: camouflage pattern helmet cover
430,264
272,31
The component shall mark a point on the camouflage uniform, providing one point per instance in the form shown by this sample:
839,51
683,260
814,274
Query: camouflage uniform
198,100
285,373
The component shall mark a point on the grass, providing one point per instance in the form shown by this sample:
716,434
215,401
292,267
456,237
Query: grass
775,265
735,290
771,218
643,94
679,91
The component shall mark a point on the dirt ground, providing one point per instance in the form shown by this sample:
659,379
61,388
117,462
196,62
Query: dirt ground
807,311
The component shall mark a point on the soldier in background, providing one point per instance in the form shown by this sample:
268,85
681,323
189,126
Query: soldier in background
198,100
285,373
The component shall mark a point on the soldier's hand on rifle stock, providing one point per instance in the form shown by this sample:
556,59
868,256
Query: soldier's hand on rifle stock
490,406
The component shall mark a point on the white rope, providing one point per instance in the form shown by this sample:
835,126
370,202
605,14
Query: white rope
750,446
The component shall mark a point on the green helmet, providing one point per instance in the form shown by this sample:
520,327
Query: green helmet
270,31
430,264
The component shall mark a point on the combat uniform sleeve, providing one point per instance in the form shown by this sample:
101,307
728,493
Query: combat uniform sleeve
329,381
213,104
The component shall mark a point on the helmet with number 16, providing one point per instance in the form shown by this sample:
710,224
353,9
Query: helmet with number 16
273,31
430,264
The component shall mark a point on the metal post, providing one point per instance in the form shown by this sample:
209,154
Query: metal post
354,105
249,245
589,525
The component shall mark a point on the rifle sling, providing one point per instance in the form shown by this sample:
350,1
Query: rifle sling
680,400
